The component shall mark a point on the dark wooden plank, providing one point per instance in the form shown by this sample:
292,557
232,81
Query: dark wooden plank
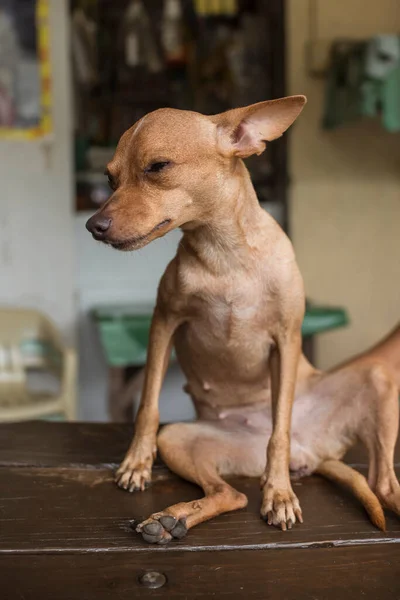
61,444
66,530
370,573
80,510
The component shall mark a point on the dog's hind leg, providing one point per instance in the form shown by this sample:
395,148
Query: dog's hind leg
359,401
201,453
378,430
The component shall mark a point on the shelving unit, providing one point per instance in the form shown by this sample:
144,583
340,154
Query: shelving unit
246,47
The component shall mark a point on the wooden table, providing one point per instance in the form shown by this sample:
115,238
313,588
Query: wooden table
66,531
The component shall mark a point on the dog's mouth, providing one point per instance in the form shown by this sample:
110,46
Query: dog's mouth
138,241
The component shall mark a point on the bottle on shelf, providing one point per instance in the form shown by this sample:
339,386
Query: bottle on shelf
173,34
139,45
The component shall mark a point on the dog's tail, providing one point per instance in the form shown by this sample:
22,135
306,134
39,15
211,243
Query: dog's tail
340,473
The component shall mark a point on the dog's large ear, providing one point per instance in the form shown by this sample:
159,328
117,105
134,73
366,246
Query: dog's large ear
244,131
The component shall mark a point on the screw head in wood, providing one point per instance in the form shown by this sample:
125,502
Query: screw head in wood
152,579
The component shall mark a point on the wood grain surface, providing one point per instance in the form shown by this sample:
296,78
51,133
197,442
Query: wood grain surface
66,530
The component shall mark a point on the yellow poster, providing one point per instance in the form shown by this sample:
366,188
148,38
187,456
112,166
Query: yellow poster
25,70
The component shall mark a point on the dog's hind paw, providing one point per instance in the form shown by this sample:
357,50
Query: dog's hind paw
162,528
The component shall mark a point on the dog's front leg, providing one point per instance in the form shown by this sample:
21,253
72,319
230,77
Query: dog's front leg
135,470
280,505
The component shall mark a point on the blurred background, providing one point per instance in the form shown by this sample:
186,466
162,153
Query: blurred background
74,315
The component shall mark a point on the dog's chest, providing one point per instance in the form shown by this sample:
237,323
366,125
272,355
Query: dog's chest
225,338
228,316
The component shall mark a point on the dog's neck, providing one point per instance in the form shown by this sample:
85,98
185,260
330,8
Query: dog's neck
224,238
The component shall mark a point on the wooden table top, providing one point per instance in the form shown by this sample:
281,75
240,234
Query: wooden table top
66,530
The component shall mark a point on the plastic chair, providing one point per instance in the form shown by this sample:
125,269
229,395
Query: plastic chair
31,348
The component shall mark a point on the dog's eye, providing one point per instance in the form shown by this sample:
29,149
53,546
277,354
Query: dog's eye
157,167
111,181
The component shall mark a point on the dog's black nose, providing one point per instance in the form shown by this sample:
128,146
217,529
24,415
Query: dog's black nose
98,226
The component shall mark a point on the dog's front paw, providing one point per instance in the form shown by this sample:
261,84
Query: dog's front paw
160,528
280,506
134,473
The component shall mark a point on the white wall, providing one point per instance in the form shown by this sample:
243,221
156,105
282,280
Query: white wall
36,204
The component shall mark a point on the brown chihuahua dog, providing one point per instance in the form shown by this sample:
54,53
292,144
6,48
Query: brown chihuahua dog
232,304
